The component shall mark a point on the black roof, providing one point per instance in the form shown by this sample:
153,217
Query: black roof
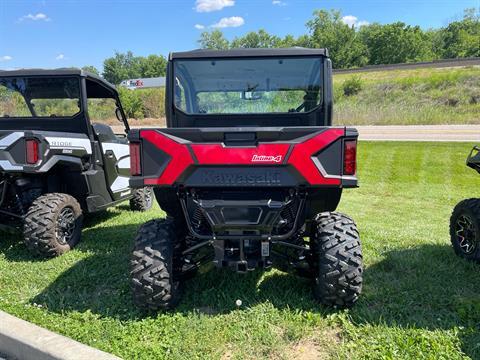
208,53
57,72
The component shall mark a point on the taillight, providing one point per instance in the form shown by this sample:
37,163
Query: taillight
32,151
349,157
135,160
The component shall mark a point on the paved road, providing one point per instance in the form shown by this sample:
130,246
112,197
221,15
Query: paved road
469,133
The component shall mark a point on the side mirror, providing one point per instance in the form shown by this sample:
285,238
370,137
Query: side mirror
118,114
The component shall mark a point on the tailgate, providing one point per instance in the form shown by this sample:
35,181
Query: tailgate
49,149
249,157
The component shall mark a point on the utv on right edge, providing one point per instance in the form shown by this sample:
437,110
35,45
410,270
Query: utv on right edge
465,219
249,171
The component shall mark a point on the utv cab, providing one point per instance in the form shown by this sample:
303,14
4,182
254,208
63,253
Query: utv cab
249,172
56,162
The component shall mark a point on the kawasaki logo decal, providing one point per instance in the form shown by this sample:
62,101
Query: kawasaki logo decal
233,178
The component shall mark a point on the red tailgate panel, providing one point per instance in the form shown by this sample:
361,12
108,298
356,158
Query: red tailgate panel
184,154
266,154
179,154
301,157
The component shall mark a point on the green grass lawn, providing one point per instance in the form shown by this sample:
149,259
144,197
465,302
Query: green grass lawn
420,301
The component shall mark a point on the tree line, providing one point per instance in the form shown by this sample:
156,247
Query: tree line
349,46
371,44
124,66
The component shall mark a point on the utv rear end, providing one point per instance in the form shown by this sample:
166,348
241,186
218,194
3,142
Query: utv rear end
249,173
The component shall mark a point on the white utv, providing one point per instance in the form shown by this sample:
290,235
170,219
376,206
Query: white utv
56,162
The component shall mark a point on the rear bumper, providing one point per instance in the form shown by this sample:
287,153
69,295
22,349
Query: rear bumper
244,219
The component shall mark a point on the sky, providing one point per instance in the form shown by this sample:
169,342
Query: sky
65,33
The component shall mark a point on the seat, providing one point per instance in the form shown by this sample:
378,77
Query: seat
105,134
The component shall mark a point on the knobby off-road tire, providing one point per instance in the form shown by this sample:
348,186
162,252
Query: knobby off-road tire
465,229
53,225
152,266
142,199
337,258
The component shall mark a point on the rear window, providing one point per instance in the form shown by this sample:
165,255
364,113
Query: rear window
39,97
248,85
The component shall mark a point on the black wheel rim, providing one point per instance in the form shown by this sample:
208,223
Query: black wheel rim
148,197
466,234
66,224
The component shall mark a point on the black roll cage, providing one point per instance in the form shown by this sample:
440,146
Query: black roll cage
41,122
113,91
320,116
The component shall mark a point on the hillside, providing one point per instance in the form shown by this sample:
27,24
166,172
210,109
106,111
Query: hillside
408,97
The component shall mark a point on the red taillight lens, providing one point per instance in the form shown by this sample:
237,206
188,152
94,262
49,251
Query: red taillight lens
32,151
135,161
349,157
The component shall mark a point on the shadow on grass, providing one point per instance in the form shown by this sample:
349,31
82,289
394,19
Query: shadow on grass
13,248
100,283
96,218
124,207
424,287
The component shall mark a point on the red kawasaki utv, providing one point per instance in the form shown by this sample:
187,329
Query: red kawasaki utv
249,171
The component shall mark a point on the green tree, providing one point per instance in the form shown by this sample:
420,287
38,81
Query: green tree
350,46
396,43
303,41
262,39
213,40
131,102
120,67
462,38
257,39
153,66
327,30
435,40
127,66
92,69
288,41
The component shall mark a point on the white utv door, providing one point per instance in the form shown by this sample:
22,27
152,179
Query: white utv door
116,161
